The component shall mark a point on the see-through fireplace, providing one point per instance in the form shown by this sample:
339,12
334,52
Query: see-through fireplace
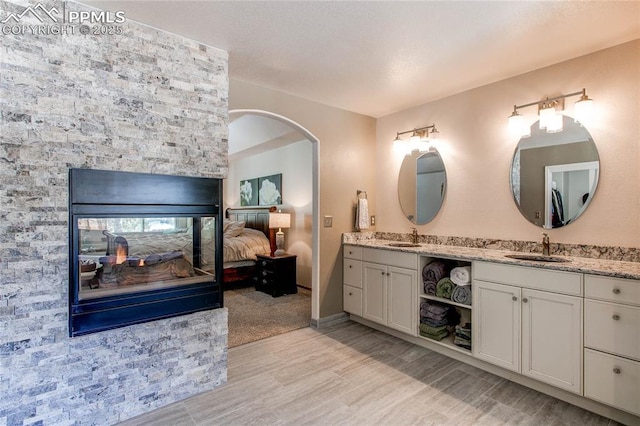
142,247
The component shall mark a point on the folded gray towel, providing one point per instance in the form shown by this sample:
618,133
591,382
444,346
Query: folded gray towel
435,308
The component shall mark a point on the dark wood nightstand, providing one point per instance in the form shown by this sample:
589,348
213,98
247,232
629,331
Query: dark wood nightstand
276,275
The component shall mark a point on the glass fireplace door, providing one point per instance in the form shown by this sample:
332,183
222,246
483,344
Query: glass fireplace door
119,255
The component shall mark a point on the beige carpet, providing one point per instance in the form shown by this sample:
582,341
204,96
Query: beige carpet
254,315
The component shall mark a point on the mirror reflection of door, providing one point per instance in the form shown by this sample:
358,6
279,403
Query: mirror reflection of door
430,180
570,158
567,189
422,184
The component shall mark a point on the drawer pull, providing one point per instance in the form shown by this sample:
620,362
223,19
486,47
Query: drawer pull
616,317
388,273
264,263
350,294
514,298
525,300
350,266
617,370
616,291
382,272
350,252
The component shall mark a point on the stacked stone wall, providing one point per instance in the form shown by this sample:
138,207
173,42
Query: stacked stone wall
138,99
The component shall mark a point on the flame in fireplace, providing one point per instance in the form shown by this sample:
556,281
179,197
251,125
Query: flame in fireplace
141,262
121,254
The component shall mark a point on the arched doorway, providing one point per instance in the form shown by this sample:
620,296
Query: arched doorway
315,245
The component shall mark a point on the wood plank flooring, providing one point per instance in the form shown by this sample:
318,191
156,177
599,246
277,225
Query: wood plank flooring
349,374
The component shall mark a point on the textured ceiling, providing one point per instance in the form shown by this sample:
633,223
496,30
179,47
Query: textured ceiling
380,57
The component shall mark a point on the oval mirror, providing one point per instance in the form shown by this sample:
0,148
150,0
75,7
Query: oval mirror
422,183
554,175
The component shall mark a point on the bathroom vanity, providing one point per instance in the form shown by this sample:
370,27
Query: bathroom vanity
569,328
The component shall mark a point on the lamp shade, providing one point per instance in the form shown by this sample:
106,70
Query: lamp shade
516,123
546,116
584,110
279,220
554,123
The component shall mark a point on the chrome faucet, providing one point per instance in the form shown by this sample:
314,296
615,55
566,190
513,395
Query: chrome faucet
545,245
414,236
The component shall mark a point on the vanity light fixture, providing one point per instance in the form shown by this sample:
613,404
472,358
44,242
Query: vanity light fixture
549,112
419,140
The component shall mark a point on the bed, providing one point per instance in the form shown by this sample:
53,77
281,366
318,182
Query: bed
246,234
255,218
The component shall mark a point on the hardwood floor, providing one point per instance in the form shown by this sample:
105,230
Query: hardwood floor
349,374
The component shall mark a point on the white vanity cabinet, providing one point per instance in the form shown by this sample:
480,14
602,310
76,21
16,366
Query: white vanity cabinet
389,288
612,342
529,320
381,286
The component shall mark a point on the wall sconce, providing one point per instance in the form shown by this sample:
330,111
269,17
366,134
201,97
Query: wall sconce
549,112
419,140
279,220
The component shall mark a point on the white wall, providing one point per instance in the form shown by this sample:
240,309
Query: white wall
294,161
477,151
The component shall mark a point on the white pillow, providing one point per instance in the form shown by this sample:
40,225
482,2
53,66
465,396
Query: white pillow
233,229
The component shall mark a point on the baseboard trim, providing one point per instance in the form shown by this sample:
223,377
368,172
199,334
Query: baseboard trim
330,320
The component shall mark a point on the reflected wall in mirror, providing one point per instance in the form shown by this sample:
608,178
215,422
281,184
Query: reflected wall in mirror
422,183
554,175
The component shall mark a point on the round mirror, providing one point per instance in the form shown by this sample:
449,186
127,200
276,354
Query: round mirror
422,182
554,175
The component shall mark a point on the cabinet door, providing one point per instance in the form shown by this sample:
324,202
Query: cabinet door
552,338
374,292
403,296
496,324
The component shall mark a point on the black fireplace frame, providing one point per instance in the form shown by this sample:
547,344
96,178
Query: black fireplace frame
104,194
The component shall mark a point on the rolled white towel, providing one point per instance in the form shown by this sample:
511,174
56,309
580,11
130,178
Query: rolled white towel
461,275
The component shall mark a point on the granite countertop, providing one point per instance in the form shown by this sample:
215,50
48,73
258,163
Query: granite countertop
612,268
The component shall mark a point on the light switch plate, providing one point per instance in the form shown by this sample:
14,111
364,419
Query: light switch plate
373,220
328,221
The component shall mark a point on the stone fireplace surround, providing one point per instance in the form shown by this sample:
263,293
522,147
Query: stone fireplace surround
144,101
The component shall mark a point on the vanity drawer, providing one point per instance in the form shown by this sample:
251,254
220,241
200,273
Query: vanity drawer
612,328
612,380
352,252
352,300
534,278
391,258
352,272
612,289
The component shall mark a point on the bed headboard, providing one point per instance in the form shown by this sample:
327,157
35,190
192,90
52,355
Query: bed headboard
256,218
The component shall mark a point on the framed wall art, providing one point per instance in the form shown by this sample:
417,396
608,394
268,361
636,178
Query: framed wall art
270,190
249,192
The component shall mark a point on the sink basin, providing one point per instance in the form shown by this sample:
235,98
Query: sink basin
403,245
536,257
